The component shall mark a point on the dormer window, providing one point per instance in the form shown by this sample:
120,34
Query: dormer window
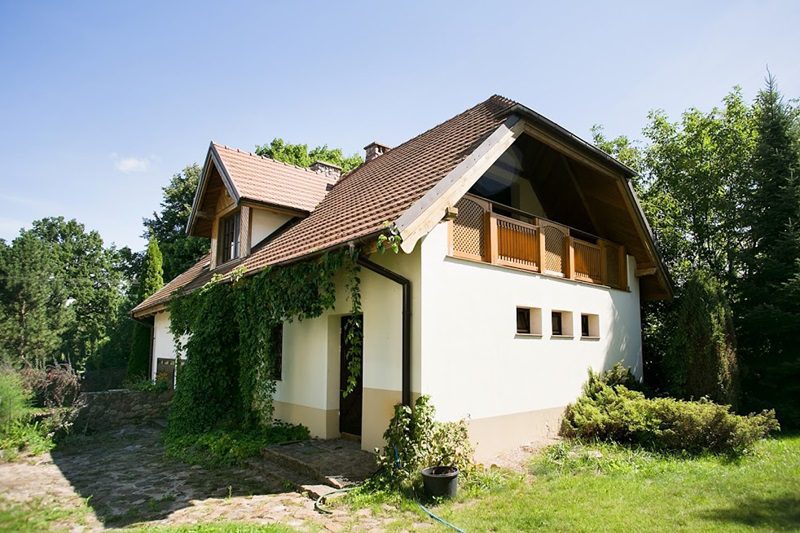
228,237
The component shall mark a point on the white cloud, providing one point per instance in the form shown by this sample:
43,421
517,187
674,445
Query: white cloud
129,165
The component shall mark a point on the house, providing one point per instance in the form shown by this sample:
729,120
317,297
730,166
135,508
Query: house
524,260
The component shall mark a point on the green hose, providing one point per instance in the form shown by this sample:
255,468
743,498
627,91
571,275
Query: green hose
320,500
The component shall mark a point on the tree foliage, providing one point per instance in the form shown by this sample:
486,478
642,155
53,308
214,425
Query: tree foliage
701,351
769,305
225,329
301,156
721,192
32,298
61,290
179,250
150,281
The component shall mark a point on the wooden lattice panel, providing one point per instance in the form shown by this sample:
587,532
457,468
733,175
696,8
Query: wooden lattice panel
554,246
469,235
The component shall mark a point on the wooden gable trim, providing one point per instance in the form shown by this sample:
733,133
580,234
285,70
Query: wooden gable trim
426,213
419,219
212,157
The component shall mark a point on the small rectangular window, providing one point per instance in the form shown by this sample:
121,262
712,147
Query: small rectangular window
590,326
529,321
228,237
561,323
276,349
557,329
523,320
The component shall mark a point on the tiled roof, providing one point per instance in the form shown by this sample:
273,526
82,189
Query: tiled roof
265,180
359,203
382,189
161,296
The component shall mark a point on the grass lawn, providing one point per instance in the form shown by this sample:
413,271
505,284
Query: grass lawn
576,489
569,488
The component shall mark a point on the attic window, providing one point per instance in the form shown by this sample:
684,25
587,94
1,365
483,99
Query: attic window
229,237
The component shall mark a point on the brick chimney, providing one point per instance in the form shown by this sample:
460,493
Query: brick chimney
327,169
375,149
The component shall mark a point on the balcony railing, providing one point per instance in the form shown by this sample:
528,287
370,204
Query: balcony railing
480,233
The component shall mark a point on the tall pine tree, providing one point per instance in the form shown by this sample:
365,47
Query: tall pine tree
150,280
769,307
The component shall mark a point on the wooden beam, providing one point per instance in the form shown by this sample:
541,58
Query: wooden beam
578,188
641,272
569,272
428,211
491,234
547,138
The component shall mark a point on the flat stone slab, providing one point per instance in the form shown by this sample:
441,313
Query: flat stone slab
127,481
337,462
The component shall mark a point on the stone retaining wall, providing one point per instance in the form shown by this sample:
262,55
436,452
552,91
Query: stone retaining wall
112,409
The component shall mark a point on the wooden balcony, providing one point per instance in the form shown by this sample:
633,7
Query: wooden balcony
519,240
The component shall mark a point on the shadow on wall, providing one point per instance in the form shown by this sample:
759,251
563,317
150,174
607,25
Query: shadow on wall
620,340
780,513
125,477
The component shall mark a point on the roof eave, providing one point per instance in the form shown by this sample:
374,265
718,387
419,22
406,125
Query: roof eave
533,116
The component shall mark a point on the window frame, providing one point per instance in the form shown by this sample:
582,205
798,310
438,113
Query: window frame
592,331
565,324
224,244
534,316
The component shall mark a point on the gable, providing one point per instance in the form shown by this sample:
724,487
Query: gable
251,179
574,183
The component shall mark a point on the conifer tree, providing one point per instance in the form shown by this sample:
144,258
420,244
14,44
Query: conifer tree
769,307
150,280
701,351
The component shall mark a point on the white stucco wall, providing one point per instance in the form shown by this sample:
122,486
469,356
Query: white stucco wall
163,343
263,222
311,352
476,366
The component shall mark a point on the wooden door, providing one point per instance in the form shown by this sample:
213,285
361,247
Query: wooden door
350,405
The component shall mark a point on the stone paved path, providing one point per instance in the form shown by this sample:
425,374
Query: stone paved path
126,480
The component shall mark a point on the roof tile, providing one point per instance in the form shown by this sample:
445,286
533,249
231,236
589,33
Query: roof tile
264,180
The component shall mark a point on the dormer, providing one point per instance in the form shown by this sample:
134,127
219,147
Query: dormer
243,199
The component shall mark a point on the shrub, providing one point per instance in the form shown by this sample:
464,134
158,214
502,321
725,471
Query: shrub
700,359
415,441
617,414
14,398
20,427
23,434
54,386
230,448
146,385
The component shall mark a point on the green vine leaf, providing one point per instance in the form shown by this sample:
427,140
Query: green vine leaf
390,239
225,335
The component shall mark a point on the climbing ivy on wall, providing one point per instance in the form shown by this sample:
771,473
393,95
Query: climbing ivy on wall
226,379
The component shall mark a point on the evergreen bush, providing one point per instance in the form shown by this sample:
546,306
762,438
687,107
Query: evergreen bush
14,398
614,413
701,358
150,280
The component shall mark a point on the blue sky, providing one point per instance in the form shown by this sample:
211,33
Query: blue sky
101,102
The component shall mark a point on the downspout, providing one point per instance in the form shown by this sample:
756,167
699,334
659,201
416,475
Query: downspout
405,283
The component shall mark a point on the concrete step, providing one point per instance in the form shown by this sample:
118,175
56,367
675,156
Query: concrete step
288,462
298,481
